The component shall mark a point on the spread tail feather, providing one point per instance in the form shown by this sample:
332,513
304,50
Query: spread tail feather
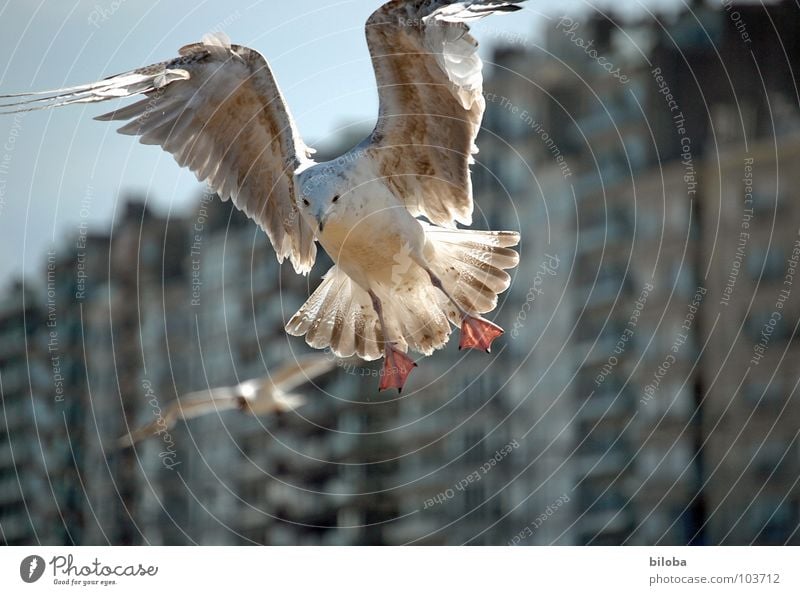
472,264
339,315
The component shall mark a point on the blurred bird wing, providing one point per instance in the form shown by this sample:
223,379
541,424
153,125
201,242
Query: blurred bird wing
269,393
187,407
301,370
289,402
430,85
218,110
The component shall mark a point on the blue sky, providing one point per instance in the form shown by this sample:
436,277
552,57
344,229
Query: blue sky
61,161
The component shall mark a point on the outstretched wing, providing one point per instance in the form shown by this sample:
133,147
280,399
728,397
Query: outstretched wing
302,370
187,407
431,103
258,396
218,110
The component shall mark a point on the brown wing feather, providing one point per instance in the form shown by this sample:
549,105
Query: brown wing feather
431,103
228,123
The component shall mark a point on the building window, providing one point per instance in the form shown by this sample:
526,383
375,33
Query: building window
771,260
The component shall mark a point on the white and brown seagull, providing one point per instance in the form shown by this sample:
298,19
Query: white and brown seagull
258,397
399,282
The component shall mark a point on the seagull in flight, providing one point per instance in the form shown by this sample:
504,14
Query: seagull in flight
387,212
263,396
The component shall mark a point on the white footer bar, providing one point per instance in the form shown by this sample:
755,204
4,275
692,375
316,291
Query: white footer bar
406,571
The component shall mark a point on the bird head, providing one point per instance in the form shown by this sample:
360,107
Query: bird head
319,191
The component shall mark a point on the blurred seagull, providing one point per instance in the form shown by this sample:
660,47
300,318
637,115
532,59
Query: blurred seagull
399,282
263,396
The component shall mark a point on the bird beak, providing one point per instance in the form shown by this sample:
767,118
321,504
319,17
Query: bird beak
322,218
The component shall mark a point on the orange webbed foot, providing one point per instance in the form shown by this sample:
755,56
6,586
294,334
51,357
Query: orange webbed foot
396,368
478,333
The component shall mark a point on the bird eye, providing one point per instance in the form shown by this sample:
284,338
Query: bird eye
305,202
335,198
